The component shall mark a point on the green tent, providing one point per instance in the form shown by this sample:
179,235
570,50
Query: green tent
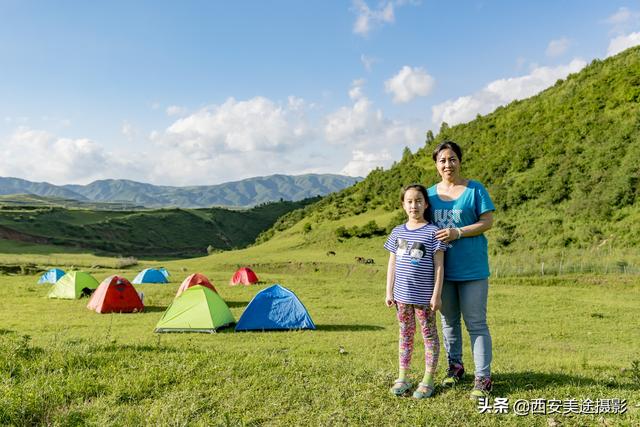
73,285
198,309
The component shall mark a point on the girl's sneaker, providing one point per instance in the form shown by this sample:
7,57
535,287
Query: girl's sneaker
481,388
454,375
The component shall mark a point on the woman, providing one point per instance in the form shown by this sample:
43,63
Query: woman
463,211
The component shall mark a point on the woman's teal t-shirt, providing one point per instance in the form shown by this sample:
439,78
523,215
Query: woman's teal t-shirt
467,258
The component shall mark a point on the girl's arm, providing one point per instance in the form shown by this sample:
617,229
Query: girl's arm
391,273
436,298
484,223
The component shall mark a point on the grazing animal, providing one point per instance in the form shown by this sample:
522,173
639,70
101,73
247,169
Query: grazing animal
330,253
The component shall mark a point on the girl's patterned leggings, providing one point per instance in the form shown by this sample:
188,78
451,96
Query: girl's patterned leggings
407,314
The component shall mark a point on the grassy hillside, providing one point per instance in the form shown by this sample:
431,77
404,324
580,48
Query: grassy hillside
165,232
563,167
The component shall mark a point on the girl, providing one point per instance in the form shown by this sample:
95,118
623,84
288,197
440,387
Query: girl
414,285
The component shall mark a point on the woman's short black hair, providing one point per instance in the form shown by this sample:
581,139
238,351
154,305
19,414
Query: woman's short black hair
447,145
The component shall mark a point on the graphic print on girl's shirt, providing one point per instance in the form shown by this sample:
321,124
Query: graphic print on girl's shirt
416,251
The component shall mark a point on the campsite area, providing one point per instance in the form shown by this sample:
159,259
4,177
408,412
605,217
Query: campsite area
562,170
572,337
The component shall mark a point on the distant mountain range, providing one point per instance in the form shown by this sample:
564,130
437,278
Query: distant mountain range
245,193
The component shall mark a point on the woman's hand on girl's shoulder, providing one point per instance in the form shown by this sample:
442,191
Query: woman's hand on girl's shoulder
447,235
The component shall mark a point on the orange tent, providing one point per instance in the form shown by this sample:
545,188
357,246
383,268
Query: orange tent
115,294
244,275
193,280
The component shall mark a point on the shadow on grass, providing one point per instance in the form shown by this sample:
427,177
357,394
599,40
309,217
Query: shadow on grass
232,304
146,348
513,382
356,328
154,308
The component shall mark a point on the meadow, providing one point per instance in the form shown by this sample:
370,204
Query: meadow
556,336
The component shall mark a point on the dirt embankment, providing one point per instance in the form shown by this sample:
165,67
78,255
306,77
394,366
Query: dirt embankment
10,234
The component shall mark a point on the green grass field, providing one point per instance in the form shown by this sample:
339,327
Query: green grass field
570,336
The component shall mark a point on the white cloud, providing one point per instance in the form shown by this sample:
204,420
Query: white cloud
625,25
240,126
16,120
350,122
368,137
175,110
501,92
362,163
623,21
355,92
129,131
367,62
409,83
620,43
297,104
233,140
622,16
368,19
558,47
40,156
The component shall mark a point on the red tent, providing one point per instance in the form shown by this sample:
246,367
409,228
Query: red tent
244,275
115,294
193,280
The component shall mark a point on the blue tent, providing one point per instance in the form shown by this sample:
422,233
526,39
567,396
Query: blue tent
164,271
51,276
150,275
275,308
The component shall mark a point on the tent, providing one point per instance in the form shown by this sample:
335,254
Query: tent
164,271
244,275
193,280
150,275
115,295
198,309
275,308
74,284
51,276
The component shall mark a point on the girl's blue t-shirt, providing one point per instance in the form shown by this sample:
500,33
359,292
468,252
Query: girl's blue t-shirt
467,258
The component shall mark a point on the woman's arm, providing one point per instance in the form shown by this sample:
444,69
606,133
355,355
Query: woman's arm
391,274
436,298
484,223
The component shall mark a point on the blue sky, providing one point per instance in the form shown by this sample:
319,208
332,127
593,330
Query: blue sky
204,92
